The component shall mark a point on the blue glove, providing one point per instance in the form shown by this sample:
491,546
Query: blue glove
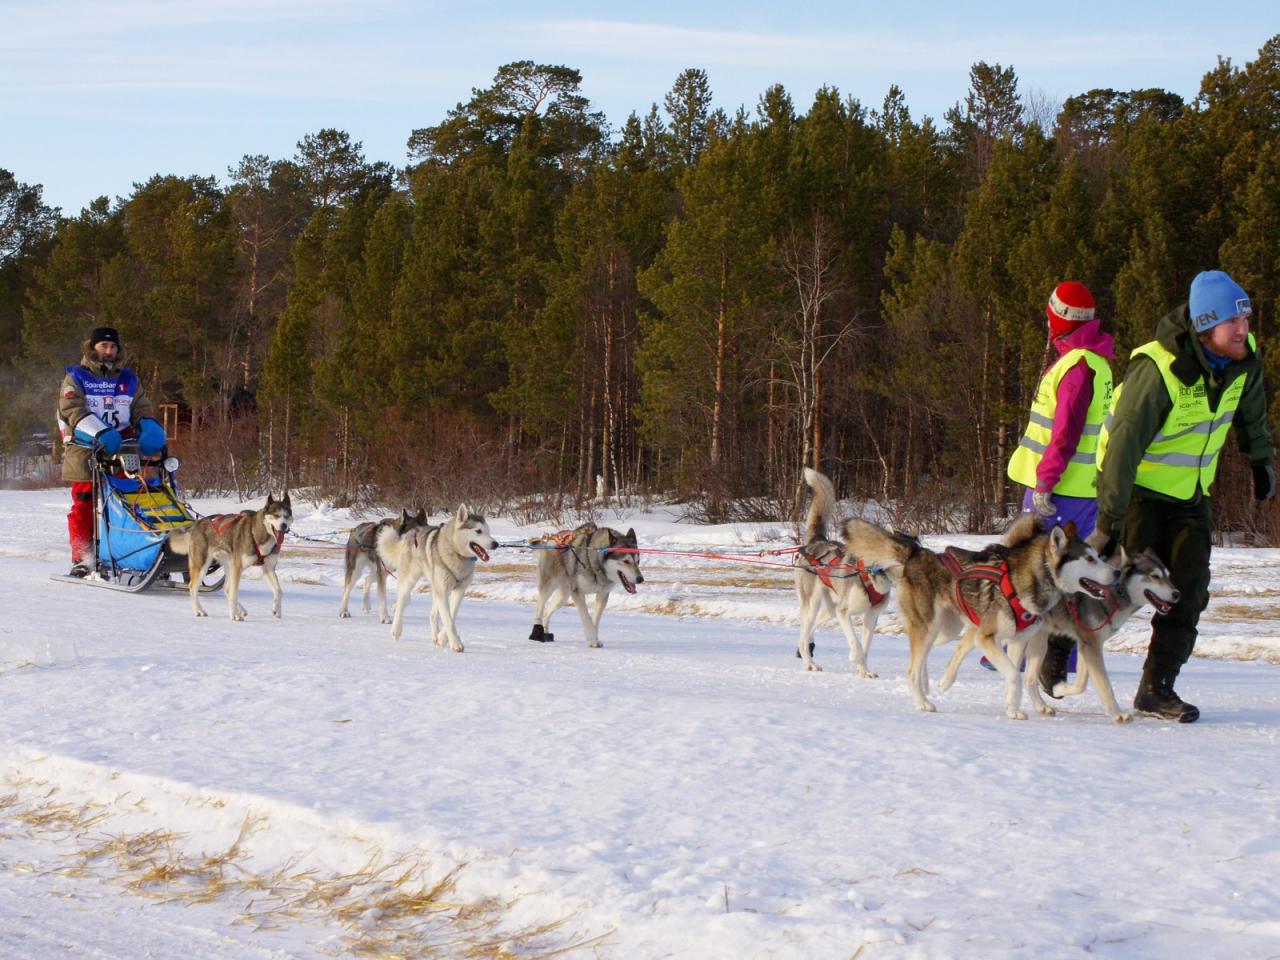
108,440
151,437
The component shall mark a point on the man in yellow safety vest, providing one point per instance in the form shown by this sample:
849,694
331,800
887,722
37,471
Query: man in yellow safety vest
1158,455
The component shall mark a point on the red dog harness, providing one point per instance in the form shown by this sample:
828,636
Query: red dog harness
221,521
823,571
995,573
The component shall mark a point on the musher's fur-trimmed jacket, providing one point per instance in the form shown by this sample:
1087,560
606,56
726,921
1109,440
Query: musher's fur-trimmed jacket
73,406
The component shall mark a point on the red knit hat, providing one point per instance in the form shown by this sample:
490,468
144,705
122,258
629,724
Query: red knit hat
1070,307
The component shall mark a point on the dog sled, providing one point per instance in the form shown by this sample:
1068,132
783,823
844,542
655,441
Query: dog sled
136,507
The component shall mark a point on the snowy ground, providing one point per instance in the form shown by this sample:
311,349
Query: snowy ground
283,789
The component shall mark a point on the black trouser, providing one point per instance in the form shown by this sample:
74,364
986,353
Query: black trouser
1180,533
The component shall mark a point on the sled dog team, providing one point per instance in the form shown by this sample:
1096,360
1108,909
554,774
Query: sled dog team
586,560
1004,599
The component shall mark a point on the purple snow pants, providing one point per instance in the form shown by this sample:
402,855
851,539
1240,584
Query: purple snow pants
1083,510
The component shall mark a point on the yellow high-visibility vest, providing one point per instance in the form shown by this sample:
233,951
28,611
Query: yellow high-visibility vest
1080,477
1184,452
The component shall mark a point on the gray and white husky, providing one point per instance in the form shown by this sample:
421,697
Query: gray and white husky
237,540
1042,566
833,581
588,559
371,550
446,557
1091,621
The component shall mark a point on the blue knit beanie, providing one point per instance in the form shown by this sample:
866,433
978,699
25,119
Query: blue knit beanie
1215,299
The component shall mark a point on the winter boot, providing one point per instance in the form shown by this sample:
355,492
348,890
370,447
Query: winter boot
80,568
1054,668
1155,698
541,635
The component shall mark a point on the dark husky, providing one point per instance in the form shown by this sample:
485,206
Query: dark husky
1038,567
236,540
371,550
588,559
831,580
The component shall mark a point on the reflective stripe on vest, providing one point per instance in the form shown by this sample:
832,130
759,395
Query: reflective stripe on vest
1184,451
1080,477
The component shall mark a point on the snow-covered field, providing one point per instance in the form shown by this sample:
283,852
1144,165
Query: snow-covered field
290,789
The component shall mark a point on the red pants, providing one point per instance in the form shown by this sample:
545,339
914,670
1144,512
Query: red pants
80,520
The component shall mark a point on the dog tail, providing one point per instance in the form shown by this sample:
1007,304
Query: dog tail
822,508
877,546
1021,530
387,544
180,542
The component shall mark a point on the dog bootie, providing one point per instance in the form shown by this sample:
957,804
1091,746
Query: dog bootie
541,635
1155,698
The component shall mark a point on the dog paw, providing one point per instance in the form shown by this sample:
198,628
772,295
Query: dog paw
1045,710
813,667
1060,689
1123,718
927,707
345,615
457,647
1015,714
866,674
384,619
201,613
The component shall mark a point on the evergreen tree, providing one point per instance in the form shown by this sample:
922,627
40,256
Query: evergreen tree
268,205
706,288
689,124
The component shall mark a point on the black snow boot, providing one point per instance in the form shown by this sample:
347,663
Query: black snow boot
1155,698
541,635
1054,668
80,568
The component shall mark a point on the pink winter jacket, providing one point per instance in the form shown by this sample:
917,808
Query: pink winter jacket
1075,393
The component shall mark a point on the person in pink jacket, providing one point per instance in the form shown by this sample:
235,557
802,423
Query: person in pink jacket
1073,326
1056,459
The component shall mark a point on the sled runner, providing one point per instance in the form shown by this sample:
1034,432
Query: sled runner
136,506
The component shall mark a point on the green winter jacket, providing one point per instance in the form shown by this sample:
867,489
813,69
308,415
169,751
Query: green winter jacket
1144,404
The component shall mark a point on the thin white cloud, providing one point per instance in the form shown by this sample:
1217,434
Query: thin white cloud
62,24
871,50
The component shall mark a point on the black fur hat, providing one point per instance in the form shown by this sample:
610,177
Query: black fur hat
103,334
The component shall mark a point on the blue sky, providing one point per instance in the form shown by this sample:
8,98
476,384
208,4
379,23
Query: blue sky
98,94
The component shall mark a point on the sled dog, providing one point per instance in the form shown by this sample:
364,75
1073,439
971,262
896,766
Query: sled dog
371,550
831,581
1091,621
446,557
588,559
1038,567
237,540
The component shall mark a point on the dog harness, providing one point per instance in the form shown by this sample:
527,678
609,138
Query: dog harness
994,573
221,521
823,571
1118,596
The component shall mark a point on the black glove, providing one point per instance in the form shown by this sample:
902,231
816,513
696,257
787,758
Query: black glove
1264,481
